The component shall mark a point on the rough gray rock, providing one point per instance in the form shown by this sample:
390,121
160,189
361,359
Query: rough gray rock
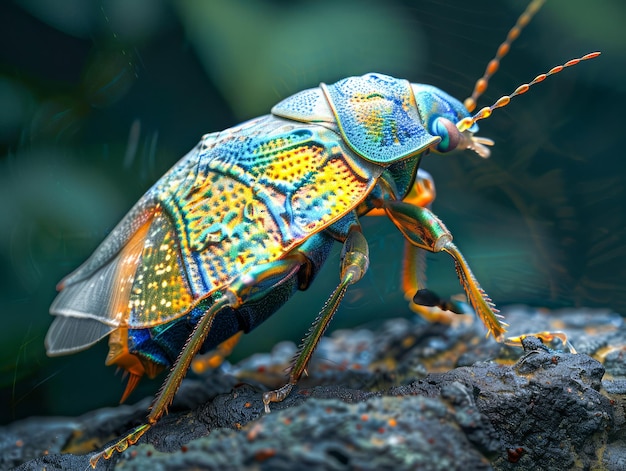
369,404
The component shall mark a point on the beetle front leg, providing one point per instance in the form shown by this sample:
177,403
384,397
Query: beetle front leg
425,303
424,230
354,264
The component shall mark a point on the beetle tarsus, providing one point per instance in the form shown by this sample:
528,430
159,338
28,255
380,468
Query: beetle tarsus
277,395
121,445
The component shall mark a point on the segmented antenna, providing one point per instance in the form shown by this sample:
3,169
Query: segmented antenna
503,50
467,123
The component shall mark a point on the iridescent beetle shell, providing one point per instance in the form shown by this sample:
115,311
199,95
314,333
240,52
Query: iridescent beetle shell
248,217
245,197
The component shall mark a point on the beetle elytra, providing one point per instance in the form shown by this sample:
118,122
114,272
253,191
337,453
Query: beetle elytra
249,215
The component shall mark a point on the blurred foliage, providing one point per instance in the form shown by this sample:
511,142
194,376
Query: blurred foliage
101,98
260,52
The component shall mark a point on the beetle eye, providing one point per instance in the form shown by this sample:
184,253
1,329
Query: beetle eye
447,130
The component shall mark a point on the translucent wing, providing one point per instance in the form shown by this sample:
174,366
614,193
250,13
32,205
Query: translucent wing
143,280
242,197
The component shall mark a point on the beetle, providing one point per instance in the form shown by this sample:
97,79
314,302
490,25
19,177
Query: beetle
249,216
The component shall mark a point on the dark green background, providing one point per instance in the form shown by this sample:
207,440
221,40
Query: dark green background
98,99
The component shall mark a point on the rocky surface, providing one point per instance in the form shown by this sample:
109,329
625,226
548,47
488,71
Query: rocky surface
409,395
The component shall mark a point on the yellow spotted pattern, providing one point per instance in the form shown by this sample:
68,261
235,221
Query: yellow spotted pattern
159,291
256,197
229,229
333,191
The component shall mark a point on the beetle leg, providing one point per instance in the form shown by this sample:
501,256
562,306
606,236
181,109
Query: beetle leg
424,230
422,194
171,384
214,358
354,264
248,288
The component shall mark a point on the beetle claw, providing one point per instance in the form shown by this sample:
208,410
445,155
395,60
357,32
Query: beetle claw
121,445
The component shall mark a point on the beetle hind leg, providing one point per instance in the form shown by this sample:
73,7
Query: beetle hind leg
171,384
251,287
354,264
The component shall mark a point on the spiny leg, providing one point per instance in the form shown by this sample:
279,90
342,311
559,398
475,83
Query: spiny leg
421,300
354,264
252,287
424,230
171,384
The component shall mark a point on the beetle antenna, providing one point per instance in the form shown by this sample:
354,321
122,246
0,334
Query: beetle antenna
503,50
501,102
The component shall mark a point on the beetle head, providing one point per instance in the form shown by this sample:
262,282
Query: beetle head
440,114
